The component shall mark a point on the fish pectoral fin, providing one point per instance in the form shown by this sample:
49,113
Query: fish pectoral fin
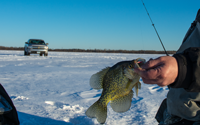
122,104
128,84
137,87
97,111
96,80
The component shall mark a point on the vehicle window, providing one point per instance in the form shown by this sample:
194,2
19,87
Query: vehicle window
36,42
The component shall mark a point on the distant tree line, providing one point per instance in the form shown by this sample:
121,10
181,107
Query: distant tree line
11,48
96,50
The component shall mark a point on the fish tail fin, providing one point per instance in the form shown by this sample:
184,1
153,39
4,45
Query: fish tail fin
98,111
122,104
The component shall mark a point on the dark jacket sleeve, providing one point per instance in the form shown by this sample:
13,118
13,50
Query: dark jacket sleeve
188,70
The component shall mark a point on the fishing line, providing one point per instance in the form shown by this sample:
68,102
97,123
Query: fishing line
155,28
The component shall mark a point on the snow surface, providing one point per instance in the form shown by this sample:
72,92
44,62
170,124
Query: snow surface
55,90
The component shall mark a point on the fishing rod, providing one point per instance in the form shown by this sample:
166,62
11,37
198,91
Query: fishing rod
155,29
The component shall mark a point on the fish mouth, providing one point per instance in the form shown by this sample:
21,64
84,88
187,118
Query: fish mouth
139,62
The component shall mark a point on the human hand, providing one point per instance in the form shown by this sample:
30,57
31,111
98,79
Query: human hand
161,71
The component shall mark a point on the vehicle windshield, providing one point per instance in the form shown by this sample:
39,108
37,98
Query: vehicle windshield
36,42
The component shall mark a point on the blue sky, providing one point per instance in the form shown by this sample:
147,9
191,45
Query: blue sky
96,24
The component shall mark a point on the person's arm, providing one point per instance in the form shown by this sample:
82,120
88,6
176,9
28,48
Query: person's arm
179,71
188,70
184,77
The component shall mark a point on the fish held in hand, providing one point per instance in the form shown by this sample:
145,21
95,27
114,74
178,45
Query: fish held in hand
117,83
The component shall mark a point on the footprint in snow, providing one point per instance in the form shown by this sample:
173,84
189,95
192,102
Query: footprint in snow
154,89
19,98
137,99
91,93
56,104
67,107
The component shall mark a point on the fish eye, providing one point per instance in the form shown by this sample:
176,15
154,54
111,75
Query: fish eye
130,66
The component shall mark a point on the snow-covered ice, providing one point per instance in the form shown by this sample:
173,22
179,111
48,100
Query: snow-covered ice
55,90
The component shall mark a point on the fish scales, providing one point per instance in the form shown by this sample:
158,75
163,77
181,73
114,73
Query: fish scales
117,83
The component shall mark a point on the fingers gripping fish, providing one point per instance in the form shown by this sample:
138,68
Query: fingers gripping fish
117,83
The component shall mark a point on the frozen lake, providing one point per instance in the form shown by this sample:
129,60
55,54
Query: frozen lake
55,90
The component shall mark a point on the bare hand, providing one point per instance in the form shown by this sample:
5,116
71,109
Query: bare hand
161,71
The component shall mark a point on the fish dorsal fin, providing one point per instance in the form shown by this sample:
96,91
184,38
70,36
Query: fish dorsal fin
96,80
122,104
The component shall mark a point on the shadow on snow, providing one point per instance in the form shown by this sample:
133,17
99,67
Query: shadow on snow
28,119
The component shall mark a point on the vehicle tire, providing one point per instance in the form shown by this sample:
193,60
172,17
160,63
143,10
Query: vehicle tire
40,54
46,54
26,53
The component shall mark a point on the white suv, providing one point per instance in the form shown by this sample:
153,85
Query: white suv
36,46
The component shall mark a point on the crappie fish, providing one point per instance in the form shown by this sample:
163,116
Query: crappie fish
117,83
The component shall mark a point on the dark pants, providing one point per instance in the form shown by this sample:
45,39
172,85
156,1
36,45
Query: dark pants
162,115
184,122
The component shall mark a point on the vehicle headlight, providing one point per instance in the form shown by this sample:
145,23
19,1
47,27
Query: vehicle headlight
46,47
